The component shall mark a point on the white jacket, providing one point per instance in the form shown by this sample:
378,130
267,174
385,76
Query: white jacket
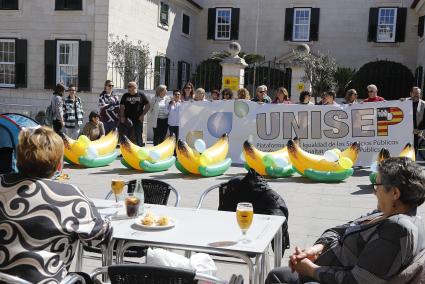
154,111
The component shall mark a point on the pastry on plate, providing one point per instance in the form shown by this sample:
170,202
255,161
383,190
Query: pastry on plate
163,221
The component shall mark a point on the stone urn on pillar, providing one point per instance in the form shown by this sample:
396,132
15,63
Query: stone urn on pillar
233,66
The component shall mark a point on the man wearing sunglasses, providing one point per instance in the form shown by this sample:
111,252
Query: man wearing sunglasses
133,107
372,92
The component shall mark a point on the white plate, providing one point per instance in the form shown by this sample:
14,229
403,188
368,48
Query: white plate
171,223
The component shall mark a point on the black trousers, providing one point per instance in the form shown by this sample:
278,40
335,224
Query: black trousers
160,131
174,130
6,158
285,275
57,127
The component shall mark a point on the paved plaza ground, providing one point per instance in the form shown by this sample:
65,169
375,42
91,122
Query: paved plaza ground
313,207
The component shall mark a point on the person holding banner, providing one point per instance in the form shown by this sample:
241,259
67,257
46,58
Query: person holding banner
226,94
372,92
282,97
261,95
305,97
350,97
215,95
373,248
187,92
418,114
200,95
243,94
329,99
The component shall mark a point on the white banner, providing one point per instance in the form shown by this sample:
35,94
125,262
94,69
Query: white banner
320,128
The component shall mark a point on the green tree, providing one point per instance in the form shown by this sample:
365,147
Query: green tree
131,59
343,77
319,71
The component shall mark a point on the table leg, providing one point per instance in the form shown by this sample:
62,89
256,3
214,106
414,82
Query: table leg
278,248
262,267
119,254
79,261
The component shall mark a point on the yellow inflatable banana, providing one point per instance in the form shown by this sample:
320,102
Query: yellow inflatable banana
264,163
303,160
212,162
408,151
148,159
91,153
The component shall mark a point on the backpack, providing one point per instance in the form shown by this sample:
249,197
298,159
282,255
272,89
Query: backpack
49,115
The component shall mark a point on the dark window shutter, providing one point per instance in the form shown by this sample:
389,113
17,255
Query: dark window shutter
164,14
186,24
418,76
289,23
9,4
157,70
187,72
211,23
373,24
49,64
167,72
84,66
401,24
179,74
314,24
234,29
421,23
59,4
21,56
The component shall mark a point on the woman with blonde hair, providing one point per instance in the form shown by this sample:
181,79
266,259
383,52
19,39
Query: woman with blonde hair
52,216
243,94
199,95
282,96
159,114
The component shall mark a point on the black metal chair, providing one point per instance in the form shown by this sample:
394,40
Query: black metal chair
143,273
69,279
155,192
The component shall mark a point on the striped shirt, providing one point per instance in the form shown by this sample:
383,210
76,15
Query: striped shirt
364,252
73,112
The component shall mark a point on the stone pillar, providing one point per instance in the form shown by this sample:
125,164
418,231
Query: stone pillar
297,83
233,69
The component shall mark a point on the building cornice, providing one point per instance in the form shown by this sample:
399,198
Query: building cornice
196,5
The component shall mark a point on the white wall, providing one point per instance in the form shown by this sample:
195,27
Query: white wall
343,30
139,20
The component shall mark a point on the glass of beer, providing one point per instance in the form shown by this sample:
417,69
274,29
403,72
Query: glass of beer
117,187
132,203
244,216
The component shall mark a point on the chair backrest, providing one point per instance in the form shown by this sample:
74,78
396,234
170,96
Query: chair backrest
155,191
69,279
9,279
205,193
414,273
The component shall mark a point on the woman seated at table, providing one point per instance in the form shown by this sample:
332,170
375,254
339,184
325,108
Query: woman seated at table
371,249
42,220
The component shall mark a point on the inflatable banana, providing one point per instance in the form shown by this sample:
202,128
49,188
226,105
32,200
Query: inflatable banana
274,164
88,153
408,151
148,159
212,162
317,168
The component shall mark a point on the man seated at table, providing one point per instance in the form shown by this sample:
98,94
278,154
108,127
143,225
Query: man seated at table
42,220
371,249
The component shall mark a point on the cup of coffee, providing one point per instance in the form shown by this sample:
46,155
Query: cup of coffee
132,206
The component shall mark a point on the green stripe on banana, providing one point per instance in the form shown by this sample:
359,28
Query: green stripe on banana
216,169
278,172
181,168
99,161
158,166
321,176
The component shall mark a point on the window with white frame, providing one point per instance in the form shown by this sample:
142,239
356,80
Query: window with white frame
7,63
67,62
301,31
162,70
223,22
387,21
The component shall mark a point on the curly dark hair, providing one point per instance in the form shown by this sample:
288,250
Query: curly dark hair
407,176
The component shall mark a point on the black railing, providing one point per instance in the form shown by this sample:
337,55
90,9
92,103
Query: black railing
207,75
